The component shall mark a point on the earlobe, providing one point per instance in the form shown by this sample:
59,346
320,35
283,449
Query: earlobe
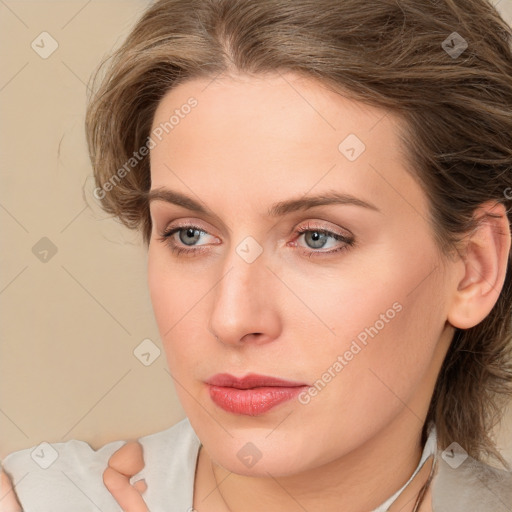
484,260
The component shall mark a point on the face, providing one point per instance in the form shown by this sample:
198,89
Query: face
300,255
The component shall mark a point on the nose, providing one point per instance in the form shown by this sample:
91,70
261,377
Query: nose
244,303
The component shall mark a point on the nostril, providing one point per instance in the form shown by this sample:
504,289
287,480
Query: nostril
255,334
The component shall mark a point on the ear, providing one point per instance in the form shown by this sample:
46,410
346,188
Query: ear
484,258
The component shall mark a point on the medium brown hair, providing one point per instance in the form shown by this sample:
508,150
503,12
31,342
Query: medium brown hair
386,53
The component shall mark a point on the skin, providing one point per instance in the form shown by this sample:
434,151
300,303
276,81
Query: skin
122,465
252,142
255,141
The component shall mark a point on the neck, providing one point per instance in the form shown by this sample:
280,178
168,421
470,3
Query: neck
359,481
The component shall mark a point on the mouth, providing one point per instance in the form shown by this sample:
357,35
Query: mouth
253,394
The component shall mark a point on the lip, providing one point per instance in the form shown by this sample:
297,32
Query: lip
253,394
251,380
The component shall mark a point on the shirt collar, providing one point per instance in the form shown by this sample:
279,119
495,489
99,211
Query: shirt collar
429,449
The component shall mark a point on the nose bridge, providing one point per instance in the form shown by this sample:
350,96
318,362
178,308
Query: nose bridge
244,267
241,300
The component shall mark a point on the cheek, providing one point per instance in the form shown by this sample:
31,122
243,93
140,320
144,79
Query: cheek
387,330
173,289
178,300
162,283
168,293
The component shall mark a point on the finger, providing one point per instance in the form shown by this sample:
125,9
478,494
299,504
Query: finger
8,500
124,493
129,459
140,485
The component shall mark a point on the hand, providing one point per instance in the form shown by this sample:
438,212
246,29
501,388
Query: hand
122,465
8,499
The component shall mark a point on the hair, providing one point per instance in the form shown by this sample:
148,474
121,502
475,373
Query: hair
456,109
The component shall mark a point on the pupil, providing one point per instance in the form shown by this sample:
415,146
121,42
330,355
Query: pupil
316,239
191,235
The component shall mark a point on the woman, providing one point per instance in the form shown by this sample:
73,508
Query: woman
323,190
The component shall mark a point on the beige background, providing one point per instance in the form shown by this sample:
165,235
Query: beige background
69,325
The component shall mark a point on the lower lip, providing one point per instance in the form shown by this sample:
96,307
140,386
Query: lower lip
252,402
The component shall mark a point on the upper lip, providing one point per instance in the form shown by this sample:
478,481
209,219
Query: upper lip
252,380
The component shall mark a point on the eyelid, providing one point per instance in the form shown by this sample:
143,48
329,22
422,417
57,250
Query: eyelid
318,226
171,230
163,211
186,224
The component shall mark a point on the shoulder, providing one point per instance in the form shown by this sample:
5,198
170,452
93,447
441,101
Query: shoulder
57,475
468,484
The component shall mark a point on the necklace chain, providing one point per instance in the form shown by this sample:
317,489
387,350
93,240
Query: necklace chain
419,498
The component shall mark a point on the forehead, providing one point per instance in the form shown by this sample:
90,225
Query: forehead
272,135
288,105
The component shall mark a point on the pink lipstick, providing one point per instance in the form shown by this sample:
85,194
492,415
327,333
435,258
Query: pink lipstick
251,395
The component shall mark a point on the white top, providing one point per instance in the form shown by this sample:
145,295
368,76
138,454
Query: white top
68,476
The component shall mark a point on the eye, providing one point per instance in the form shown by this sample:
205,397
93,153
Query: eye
179,236
320,238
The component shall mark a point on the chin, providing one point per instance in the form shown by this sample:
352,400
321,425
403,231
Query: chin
276,466
256,454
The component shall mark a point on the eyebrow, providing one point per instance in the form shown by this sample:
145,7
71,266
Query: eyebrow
276,210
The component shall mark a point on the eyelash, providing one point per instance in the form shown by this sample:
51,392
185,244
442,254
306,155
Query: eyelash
165,238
